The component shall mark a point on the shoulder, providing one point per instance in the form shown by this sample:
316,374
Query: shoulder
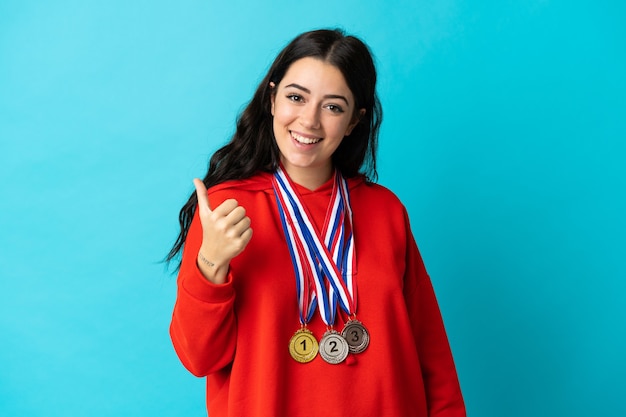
260,181
374,194
242,189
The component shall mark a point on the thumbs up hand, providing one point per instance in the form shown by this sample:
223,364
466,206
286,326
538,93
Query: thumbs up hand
225,234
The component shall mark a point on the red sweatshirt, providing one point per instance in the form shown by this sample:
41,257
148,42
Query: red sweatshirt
237,334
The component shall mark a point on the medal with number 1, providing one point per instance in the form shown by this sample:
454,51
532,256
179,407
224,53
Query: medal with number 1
303,346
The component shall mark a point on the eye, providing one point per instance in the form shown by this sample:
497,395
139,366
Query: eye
334,108
296,98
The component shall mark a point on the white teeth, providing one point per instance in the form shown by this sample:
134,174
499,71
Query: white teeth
302,139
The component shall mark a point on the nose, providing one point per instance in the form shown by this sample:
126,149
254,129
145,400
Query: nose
310,116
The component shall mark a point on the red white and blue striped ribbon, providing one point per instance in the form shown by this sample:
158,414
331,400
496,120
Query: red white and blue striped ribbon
299,257
332,260
346,259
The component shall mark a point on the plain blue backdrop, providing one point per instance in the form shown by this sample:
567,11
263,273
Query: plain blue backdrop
504,135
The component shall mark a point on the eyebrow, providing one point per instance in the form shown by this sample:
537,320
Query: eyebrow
306,90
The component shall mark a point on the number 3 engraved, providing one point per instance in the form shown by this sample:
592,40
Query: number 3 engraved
355,336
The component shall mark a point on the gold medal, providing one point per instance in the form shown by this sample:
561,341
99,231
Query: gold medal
303,346
356,335
333,347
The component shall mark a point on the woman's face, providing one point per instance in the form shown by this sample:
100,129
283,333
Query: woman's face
313,110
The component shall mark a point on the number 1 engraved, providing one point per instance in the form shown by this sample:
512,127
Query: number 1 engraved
303,343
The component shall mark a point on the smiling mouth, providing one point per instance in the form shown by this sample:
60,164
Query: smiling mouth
304,140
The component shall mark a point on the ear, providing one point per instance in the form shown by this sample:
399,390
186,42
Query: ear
272,96
355,121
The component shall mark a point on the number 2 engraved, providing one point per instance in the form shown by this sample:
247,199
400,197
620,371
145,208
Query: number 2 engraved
334,349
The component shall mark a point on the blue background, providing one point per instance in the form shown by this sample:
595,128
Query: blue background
504,134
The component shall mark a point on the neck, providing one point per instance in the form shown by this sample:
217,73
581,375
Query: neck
309,178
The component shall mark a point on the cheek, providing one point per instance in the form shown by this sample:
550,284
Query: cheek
339,129
283,113
280,125
275,126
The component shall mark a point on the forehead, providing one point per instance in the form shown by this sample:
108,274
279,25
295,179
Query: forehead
316,75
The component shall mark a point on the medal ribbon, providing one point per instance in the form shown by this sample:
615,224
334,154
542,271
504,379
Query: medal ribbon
347,262
334,260
306,295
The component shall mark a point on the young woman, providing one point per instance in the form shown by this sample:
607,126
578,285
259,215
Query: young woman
326,309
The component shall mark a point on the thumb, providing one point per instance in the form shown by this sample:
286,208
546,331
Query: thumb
201,193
